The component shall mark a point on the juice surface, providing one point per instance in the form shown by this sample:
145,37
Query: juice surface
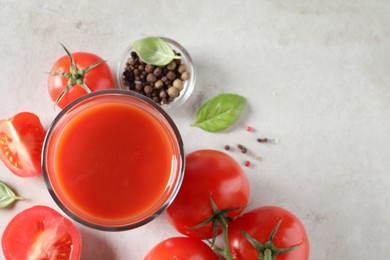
113,161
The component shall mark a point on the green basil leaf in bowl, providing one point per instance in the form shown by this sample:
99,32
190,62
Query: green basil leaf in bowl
154,51
220,112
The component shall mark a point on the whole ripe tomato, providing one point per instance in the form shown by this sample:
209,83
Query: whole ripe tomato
74,75
41,232
21,139
208,174
181,248
259,224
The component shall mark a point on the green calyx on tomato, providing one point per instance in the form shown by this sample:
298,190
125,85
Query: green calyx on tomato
219,219
75,76
267,250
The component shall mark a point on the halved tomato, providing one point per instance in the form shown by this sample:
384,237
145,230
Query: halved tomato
41,233
21,139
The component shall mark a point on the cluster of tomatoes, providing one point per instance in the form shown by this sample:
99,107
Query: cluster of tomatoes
209,210
212,201
72,76
41,232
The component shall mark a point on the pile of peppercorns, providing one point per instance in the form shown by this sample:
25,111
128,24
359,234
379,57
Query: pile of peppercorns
160,83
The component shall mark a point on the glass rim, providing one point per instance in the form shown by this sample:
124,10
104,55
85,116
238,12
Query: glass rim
170,195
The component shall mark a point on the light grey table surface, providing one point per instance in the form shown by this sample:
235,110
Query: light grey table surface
316,75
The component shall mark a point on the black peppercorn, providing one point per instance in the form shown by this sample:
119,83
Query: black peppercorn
157,71
171,75
173,92
148,89
149,68
163,94
151,78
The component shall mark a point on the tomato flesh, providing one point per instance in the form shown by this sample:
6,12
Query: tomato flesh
41,233
259,223
181,248
21,139
208,174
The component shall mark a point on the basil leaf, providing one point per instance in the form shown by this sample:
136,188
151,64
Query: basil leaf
154,51
220,112
7,196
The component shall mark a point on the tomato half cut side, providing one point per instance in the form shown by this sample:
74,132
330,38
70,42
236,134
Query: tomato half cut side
21,140
41,233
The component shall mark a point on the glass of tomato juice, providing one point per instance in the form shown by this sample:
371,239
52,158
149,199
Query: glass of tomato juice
113,160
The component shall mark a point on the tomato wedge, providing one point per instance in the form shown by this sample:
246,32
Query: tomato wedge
21,139
41,233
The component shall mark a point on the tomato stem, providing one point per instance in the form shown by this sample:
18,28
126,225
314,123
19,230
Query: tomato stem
219,218
267,255
226,250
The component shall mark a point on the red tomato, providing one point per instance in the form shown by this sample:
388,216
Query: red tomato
259,224
208,173
21,139
41,233
181,248
98,78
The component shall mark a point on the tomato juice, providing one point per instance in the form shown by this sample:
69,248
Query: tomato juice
113,160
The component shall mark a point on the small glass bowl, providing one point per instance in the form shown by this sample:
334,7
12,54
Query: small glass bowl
65,188
189,84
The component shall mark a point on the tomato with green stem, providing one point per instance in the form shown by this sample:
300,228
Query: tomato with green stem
77,74
268,233
21,140
41,232
214,190
181,248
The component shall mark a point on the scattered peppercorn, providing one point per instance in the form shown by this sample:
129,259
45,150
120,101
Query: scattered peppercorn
162,84
247,163
242,148
227,147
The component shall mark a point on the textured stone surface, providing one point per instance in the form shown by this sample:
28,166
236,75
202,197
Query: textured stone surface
316,75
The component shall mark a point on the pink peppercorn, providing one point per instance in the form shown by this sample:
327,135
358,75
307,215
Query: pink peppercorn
247,163
248,128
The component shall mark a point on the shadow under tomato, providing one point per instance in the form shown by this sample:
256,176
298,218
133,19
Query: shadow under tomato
96,247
